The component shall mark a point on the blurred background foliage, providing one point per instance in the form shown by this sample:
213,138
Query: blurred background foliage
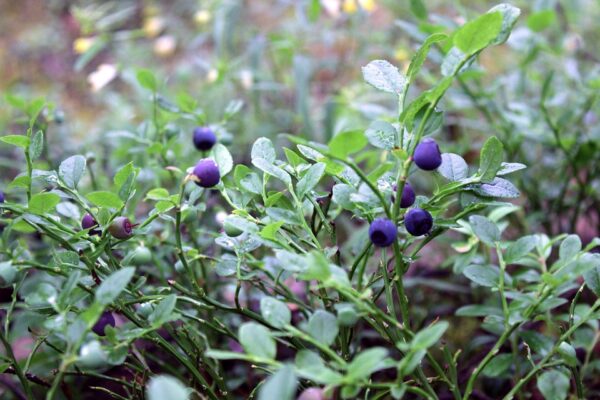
295,65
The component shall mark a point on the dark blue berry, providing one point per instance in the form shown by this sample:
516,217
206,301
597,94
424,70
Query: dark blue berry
204,138
408,195
105,319
207,173
427,155
418,222
1,197
382,232
121,228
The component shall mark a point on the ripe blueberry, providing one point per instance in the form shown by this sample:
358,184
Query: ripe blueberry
88,222
382,232
105,319
1,197
121,228
204,138
207,173
408,195
427,155
418,222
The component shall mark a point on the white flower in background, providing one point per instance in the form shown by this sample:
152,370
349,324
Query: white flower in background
165,45
102,76
332,7
212,75
202,17
246,78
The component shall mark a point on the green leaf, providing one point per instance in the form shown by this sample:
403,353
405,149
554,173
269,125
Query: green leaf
510,14
223,159
569,247
382,135
498,365
269,231
147,79
484,229
105,199
541,20
592,279
323,326
272,170
509,168
483,275
113,285
419,58
122,175
317,268
454,167
37,145
158,194
43,203
163,387
490,159
478,33
553,384
499,187
71,170
366,362
275,312
384,76
520,248
280,386
429,336
163,312
311,366
263,148
418,9
257,340
310,179
16,140
346,143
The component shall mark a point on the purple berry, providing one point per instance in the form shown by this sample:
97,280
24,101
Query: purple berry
105,319
418,222
1,197
382,232
408,195
207,173
312,393
427,155
204,138
121,228
88,222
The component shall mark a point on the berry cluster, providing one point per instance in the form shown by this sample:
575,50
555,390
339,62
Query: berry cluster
417,221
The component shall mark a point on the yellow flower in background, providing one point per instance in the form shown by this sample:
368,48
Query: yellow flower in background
351,6
401,54
202,17
153,26
81,45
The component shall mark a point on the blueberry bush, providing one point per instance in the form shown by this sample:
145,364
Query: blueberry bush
169,260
